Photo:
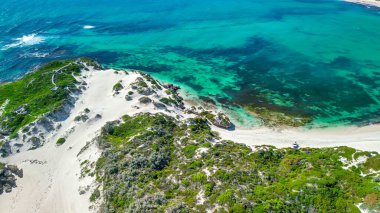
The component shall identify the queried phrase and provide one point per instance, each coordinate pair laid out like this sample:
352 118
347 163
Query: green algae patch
155 163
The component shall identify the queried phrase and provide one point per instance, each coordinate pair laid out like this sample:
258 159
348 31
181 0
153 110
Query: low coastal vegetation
61 141
39 92
155 163
117 87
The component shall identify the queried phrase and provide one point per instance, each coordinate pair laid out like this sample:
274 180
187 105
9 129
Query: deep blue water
319 58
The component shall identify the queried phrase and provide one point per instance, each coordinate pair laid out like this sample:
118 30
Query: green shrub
168 101
61 141
117 87
95 195
190 150
209 187
199 177
2 166
226 197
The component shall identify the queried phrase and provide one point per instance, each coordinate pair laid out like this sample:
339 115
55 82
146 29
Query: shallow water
319 58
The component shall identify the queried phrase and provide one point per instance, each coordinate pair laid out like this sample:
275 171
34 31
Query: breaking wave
25 40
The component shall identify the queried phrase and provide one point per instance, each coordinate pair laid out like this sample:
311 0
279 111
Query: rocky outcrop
5 149
8 179
63 112
220 119
142 87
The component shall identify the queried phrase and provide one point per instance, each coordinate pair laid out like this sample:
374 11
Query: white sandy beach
362 138
52 180
375 3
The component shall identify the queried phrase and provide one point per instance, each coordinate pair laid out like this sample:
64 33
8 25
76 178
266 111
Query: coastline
374 3
53 179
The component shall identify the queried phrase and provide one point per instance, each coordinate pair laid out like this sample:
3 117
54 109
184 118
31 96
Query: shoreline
53 179
373 3
361 138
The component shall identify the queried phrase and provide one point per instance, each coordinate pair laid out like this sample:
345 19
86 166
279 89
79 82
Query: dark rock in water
145 100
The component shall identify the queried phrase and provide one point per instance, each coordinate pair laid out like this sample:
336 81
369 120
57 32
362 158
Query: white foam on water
35 55
88 27
25 40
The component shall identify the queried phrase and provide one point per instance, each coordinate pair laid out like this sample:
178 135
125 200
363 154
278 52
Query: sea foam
25 40
88 27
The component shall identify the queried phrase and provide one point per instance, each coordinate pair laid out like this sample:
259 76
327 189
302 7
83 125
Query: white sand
375 3
364 138
52 184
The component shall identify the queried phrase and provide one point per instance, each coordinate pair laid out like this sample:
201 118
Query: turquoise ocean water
308 57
